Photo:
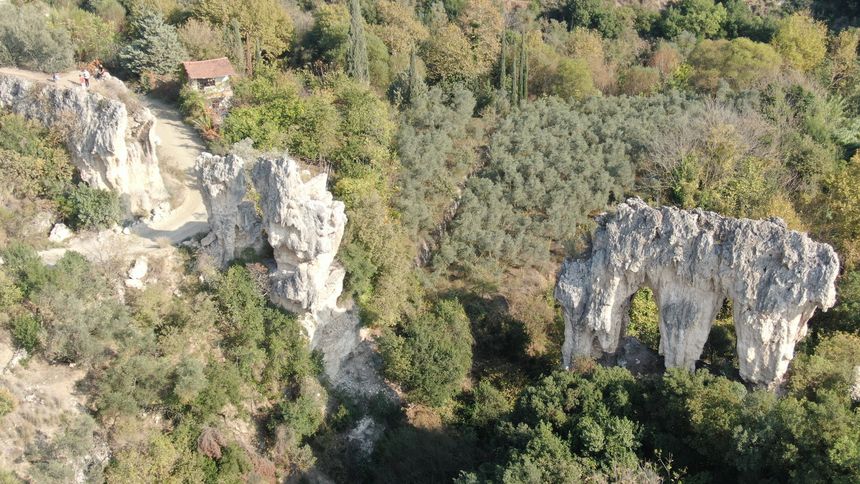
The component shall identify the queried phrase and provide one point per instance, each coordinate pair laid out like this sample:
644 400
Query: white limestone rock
110 142
59 233
233 221
139 268
137 272
305 226
693 261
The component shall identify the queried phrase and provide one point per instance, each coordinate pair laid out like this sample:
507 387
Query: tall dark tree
503 61
357 65
515 81
524 65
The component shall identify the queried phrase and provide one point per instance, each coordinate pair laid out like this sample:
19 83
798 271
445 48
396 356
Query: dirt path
177 151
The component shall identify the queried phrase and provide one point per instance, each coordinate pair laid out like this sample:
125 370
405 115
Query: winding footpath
178 149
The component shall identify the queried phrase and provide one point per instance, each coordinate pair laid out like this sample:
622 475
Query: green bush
433 354
644 322
32 159
7 402
25 332
90 208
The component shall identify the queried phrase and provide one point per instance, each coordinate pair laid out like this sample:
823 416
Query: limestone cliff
233 220
693 261
304 225
111 143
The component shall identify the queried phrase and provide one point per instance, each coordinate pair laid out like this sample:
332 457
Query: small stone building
211 77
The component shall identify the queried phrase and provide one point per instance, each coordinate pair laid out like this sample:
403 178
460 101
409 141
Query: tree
93 37
448 55
29 41
155 47
263 26
525 199
356 55
433 146
433 354
702 18
740 62
600 15
482 23
801 41
203 41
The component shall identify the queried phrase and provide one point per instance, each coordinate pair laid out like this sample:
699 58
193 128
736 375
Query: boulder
59 233
694 261
111 142
139 268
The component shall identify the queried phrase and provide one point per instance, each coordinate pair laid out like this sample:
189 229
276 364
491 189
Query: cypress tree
415 86
235 46
524 65
503 61
357 65
515 81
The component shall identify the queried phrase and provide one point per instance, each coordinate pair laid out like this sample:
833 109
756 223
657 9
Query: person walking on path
86 76
81 77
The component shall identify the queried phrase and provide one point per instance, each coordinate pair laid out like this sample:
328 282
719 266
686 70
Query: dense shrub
740 62
7 402
25 332
801 41
433 355
92 36
90 208
28 40
31 159
703 18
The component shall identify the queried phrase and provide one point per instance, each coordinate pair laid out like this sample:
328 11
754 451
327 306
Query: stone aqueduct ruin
693 261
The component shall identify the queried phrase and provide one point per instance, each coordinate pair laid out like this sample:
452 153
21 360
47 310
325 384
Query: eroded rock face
304 225
233 220
111 143
693 261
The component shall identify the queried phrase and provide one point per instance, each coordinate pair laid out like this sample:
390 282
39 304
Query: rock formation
693 261
304 225
233 220
110 142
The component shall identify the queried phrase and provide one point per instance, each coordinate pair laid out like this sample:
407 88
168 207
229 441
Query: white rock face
305 226
113 148
233 221
59 233
693 261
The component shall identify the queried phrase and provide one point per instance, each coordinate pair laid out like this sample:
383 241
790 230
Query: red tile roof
208 69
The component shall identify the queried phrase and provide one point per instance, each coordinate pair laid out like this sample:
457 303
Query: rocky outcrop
693 261
234 223
304 225
112 143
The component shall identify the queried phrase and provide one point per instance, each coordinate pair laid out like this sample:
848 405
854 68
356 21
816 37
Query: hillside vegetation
473 142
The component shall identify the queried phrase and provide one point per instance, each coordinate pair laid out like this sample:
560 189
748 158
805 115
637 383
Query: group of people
84 77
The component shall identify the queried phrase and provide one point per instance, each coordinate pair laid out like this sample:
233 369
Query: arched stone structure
693 261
